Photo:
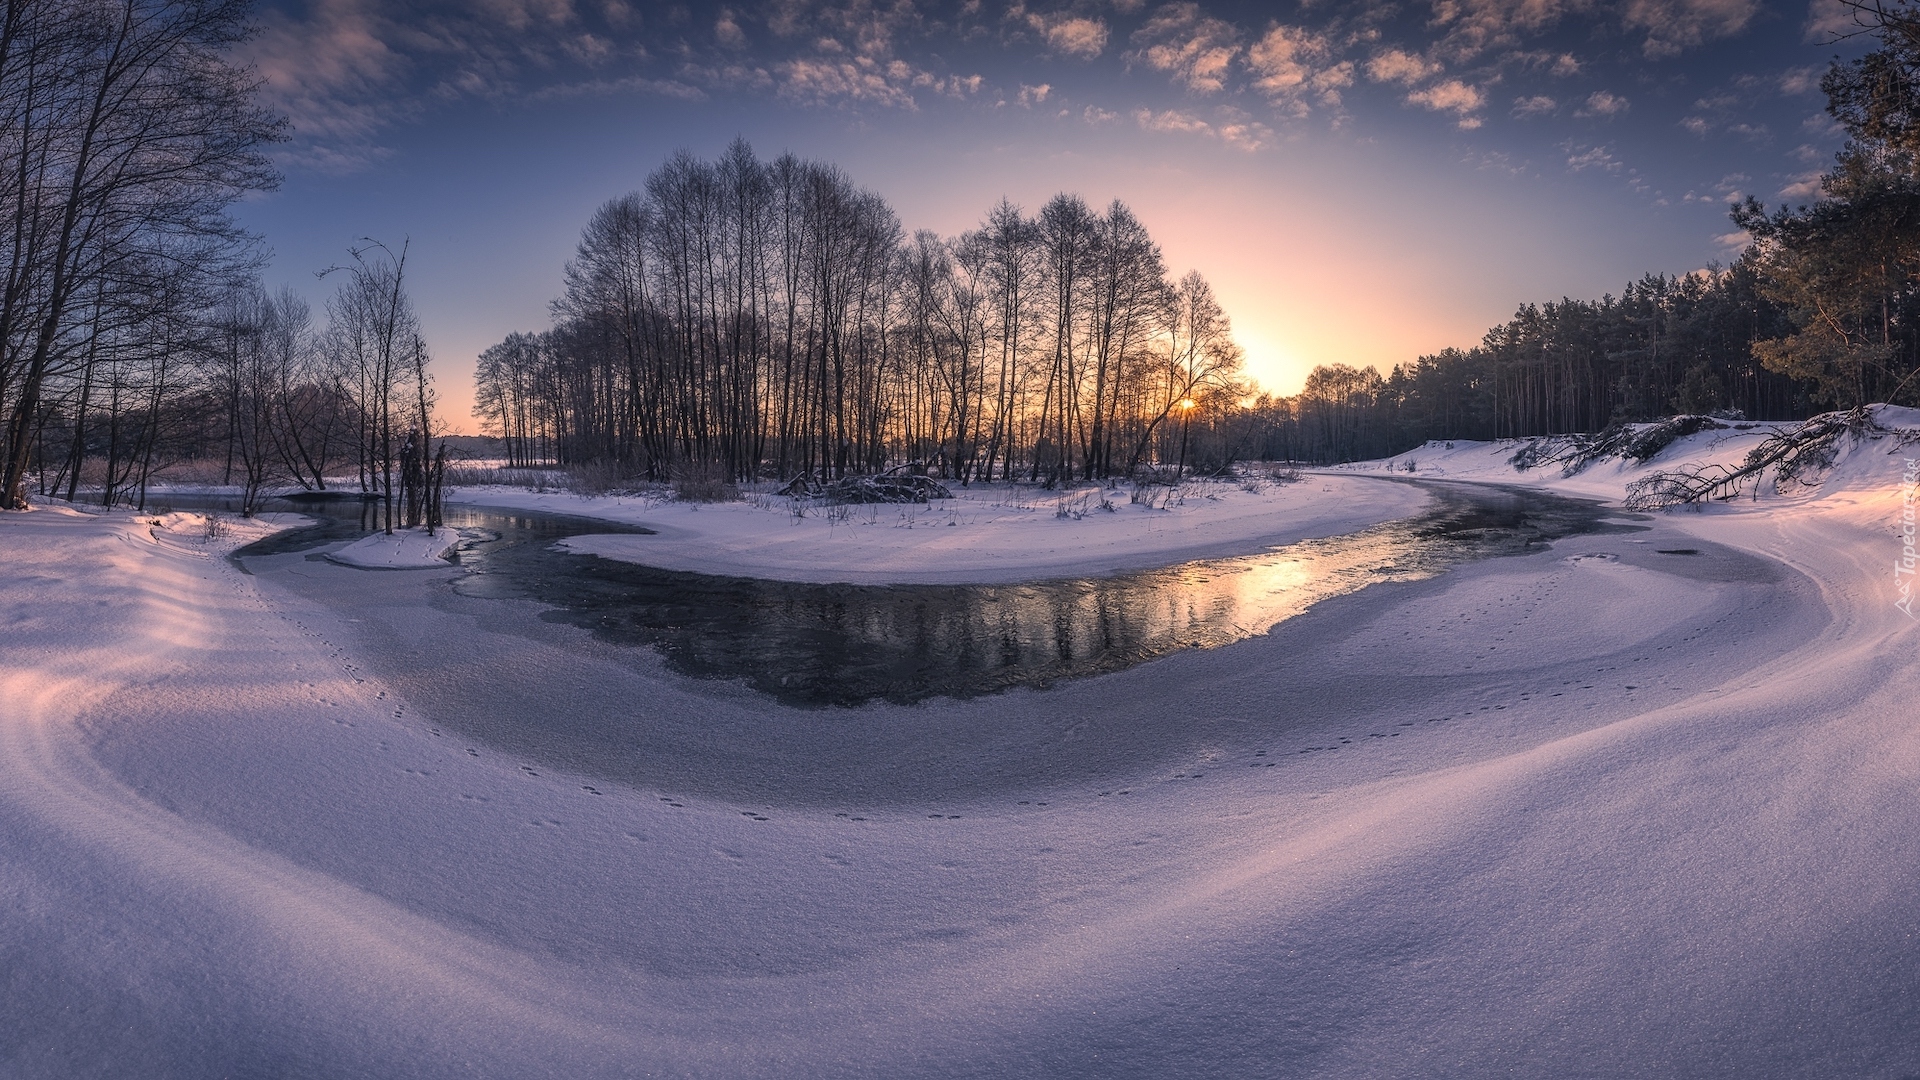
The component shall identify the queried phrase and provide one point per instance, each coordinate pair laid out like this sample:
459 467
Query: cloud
1604 104
519 16
1196 49
1394 65
1801 80
1673 26
1171 120
1822 126
1292 64
1233 127
787 18
1248 135
1499 161
1071 35
346 70
1451 96
1094 114
870 29
1239 130
1475 26
633 84
824 81
323 72
726 30
1591 157
1330 81
1827 21
1802 186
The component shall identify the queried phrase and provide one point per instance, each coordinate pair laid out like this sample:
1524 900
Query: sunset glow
1362 184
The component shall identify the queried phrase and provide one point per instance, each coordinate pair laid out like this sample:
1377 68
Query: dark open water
839 645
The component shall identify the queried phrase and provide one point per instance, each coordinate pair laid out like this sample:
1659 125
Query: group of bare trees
124 135
301 404
771 318
134 331
246 387
377 363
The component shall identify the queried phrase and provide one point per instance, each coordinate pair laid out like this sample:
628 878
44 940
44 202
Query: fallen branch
1629 442
1795 456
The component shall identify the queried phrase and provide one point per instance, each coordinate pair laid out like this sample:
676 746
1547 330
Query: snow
1488 462
1594 810
992 534
403 549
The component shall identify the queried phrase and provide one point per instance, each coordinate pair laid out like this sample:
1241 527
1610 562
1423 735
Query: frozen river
815 645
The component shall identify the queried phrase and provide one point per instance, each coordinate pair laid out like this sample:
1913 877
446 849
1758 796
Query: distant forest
1821 311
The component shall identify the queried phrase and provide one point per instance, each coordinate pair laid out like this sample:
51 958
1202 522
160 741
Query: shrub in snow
885 488
703 481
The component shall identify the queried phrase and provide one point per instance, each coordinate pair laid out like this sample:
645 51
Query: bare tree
374 335
127 133
1200 355
311 409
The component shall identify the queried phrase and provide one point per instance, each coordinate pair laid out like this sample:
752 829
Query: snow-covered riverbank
1643 802
997 533
402 549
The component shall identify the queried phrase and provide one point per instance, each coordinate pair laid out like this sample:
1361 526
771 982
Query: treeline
749 318
246 391
1822 311
1666 345
135 334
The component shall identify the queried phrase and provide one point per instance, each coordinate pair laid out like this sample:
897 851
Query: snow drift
1644 802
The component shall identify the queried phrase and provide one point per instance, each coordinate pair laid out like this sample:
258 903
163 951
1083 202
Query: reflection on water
817 645
822 645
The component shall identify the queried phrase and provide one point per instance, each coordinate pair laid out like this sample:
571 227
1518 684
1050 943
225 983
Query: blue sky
1362 182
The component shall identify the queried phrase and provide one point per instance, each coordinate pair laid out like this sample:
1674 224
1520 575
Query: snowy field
1645 803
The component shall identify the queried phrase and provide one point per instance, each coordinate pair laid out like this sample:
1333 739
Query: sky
1362 182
